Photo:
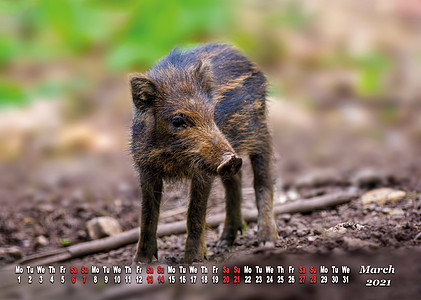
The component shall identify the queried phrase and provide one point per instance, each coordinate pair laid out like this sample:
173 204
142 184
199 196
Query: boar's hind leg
151 199
196 219
263 188
233 220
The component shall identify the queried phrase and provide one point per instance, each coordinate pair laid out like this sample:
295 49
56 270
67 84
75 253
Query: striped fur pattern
191 109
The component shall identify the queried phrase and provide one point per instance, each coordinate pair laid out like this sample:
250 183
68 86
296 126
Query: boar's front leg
196 218
267 233
233 220
151 198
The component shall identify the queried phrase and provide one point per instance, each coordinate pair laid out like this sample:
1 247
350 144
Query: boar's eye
178 121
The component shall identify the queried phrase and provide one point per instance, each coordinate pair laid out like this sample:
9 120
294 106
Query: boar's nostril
230 165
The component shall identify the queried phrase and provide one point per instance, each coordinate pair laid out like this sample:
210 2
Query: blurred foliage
131 32
67 49
65 242
126 35
291 16
372 68
11 93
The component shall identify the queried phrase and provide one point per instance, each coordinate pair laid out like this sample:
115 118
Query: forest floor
47 202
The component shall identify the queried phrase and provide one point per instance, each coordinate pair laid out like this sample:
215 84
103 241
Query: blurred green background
358 61
119 36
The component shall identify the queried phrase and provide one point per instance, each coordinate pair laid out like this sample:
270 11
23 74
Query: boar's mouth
230 165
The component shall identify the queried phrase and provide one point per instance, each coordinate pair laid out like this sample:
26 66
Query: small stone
282 198
368 177
285 217
20 235
393 211
46 207
341 229
267 244
102 227
288 230
13 251
302 232
359 226
28 220
292 195
41 241
335 230
318 229
312 238
382 195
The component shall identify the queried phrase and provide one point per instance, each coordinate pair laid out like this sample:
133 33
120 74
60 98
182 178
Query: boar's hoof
267 234
222 243
146 253
268 244
229 234
230 165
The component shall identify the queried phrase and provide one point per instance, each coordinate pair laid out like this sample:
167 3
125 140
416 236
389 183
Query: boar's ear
144 91
205 75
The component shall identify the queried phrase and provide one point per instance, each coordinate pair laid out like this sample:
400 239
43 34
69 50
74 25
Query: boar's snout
230 165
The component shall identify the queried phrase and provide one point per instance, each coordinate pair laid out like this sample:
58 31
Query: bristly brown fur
190 110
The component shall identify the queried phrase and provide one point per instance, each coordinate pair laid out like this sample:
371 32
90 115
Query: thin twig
131 236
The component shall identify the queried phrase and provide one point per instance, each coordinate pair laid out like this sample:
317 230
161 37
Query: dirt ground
55 197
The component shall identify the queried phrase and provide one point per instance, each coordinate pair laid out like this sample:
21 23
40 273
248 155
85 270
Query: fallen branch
131 236
172 212
315 203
